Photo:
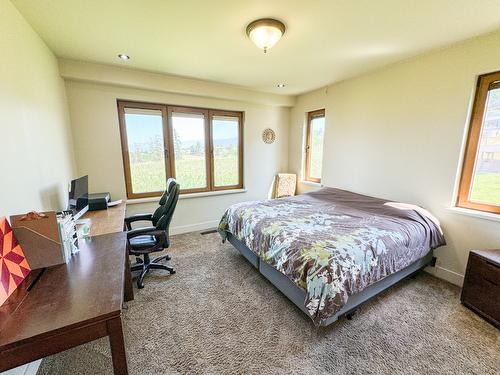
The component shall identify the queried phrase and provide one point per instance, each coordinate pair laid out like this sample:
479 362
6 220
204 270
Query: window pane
189 149
317 130
486 178
145 145
225 133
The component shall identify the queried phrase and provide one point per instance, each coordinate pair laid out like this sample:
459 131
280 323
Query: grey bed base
297 295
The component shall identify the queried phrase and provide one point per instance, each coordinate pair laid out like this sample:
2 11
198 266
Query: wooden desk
106 221
111 221
68 305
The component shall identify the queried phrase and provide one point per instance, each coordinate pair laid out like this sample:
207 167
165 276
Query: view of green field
486 176
318 131
486 188
146 151
150 175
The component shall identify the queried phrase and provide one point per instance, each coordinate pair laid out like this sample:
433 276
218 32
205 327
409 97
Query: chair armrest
138 217
146 231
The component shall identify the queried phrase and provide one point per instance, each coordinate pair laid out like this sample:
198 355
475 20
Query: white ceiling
325 41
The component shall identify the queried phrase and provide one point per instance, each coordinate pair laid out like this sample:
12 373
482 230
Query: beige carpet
217 315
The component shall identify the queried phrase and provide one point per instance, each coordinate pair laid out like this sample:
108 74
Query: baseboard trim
28 369
446 274
194 227
32 368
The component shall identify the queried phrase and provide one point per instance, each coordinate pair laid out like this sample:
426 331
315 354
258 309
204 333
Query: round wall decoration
268 136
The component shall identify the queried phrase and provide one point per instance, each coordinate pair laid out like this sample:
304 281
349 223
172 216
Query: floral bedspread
331 242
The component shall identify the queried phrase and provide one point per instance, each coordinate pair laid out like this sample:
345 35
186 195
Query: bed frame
298 295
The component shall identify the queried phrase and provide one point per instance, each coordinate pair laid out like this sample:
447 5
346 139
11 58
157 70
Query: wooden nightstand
481 290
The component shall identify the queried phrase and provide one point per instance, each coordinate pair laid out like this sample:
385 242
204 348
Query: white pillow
423 211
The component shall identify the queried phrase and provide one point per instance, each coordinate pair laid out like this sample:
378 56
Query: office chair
144 241
155 216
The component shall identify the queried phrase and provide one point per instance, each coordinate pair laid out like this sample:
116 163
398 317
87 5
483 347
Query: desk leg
128 289
117 344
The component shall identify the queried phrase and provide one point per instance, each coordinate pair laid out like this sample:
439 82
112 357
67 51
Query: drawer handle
492 264
488 280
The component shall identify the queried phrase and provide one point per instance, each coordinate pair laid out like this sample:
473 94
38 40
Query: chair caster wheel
172 272
140 286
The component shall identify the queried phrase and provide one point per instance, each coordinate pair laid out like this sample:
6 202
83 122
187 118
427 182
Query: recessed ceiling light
124 57
281 85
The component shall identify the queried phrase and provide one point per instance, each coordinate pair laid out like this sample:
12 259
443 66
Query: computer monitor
78 202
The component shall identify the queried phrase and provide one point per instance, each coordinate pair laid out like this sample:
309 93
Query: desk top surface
106 221
87 289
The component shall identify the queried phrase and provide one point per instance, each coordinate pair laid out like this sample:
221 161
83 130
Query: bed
331 250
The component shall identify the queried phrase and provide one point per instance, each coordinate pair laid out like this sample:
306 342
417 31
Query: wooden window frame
122 104
239 115
473 138
307 167
188 110
168 141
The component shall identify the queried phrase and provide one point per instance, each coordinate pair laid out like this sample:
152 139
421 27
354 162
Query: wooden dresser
481 290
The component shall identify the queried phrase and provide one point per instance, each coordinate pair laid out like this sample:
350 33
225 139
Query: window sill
475 213
188 196
312 184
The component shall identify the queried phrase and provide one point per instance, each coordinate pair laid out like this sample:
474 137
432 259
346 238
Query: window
314 145
480 181
201 148
227 146
190 144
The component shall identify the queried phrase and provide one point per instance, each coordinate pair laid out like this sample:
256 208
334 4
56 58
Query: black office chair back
166 218
170 184
161 210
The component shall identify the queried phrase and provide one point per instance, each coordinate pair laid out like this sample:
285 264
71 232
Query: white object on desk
114 203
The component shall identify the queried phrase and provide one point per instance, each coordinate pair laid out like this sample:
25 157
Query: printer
99 201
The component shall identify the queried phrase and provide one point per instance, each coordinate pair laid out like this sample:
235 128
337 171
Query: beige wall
149 81
397 133
98 150
36 160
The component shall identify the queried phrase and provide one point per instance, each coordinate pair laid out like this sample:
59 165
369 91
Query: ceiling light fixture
281 85
265 32
124 57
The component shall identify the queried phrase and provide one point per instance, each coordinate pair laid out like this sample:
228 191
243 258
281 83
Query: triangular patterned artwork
13 265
